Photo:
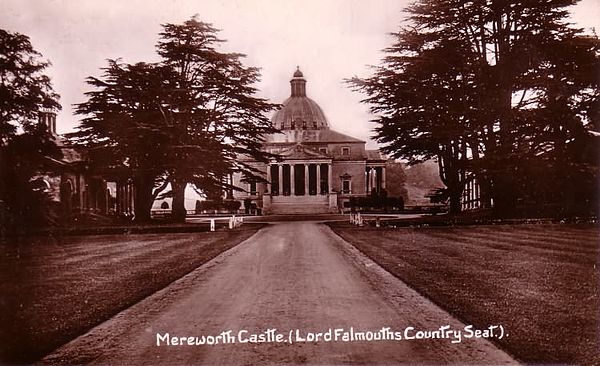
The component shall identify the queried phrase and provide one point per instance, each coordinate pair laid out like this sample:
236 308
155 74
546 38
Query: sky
329 39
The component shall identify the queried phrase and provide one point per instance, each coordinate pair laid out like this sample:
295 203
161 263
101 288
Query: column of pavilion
375 179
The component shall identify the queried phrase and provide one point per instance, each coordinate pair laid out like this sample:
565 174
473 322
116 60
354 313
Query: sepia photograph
299 182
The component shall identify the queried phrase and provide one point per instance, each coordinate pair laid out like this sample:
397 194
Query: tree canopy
487 88
24 88
25 91
185 119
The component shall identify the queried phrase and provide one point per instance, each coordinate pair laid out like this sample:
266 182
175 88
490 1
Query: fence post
212 224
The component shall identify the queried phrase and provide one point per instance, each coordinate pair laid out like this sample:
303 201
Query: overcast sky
329 39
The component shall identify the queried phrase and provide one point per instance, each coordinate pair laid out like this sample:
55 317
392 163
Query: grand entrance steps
299 204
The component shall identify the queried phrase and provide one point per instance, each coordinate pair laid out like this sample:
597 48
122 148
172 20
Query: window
346 186
275 184
323 150
345 150
252 187
346 180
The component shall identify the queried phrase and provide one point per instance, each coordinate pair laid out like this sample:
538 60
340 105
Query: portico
299 178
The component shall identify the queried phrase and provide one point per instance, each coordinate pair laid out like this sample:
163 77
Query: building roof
320 136
374 155
300 119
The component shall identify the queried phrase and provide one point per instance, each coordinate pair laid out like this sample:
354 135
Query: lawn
54 289
541 282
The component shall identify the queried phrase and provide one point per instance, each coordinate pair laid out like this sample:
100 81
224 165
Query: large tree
124 129
25 91
24 87
215 115
422 96
475 85
185 119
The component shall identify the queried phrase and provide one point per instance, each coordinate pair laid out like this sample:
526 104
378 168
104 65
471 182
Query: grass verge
541 282
53 289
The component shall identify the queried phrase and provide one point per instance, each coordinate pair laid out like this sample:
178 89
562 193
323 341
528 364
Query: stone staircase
283 205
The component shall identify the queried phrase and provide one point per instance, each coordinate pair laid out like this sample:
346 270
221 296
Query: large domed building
320 169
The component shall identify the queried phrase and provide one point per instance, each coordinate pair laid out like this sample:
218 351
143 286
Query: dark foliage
486 88
230 206
376 202
25 145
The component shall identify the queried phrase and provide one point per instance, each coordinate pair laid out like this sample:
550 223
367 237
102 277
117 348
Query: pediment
300 151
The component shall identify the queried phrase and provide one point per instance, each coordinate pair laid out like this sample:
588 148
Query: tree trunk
450 176
143 198
178 211
455 206
504 190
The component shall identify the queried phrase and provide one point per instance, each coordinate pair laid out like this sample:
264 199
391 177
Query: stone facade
75 188
319 169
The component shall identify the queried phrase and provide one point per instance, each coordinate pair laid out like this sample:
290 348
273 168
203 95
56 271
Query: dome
298 111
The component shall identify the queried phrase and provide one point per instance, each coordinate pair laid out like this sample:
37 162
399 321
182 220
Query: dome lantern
298 84
298 111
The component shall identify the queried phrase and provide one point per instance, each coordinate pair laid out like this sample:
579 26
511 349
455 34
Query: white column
119 198
106 197
318 179
329 178
130 203
368 180
132 198
292 183
269 183
306 184
383 177
280 174
373 179
127 199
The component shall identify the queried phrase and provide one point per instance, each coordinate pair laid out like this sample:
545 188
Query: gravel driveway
298 279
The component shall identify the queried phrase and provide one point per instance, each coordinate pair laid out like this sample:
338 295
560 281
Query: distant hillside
421 179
